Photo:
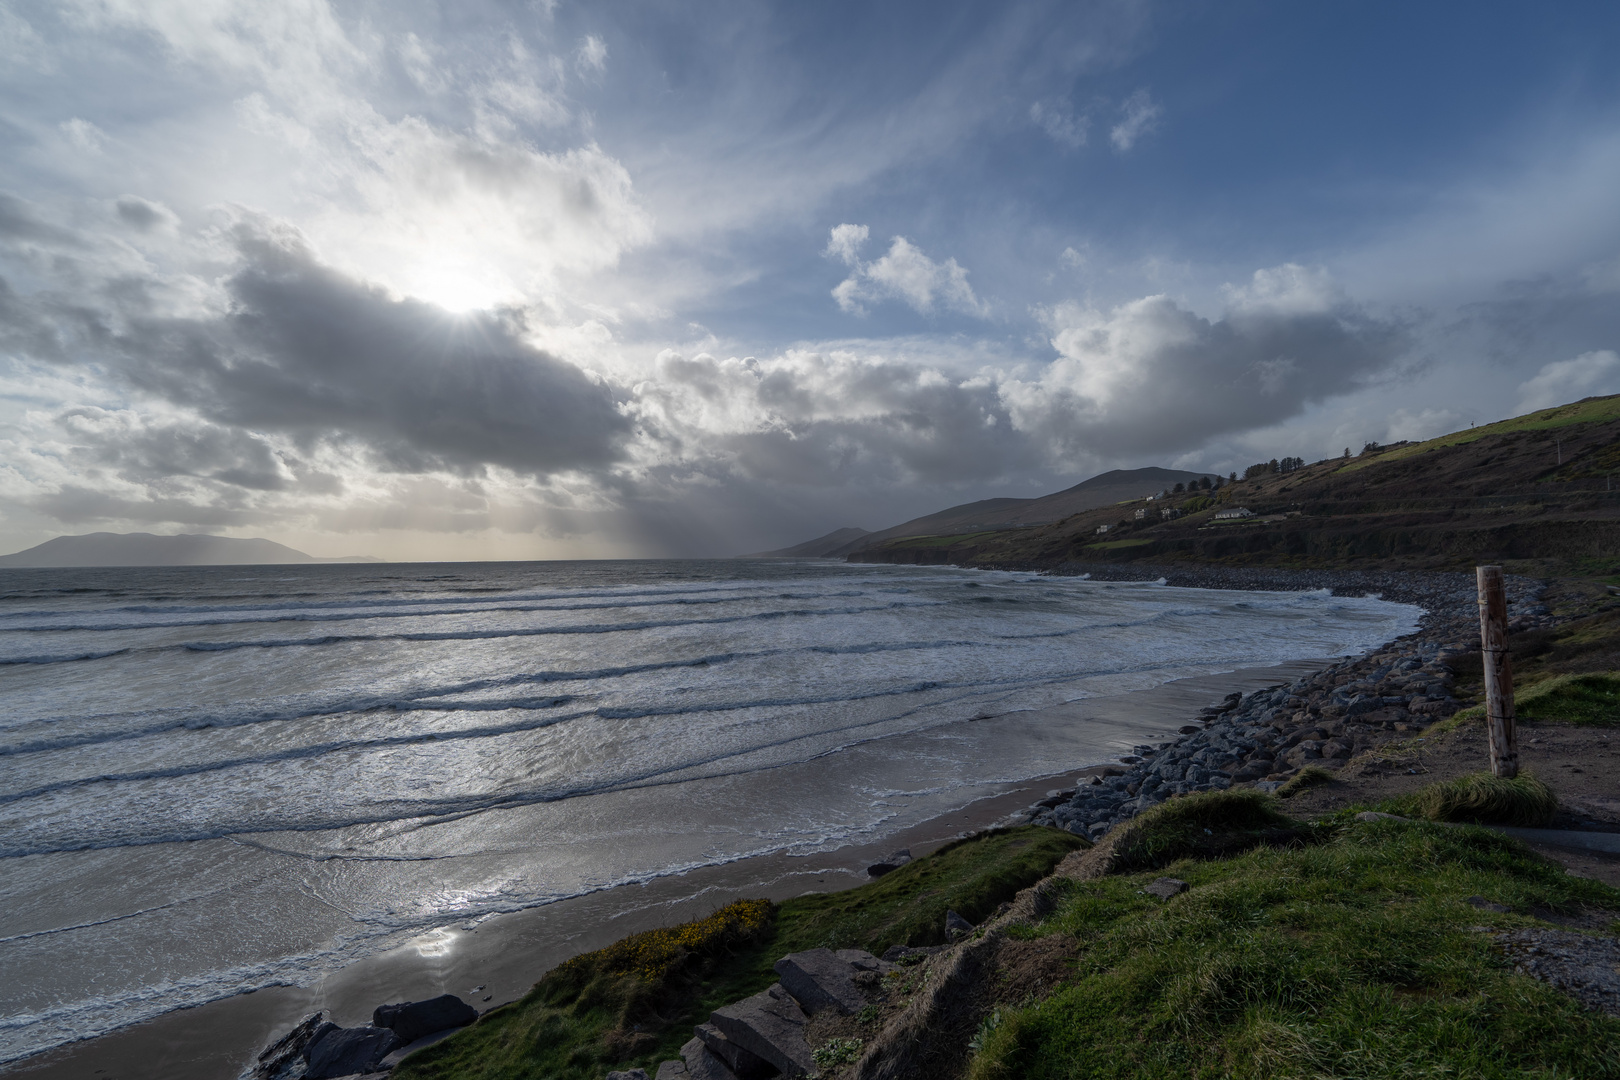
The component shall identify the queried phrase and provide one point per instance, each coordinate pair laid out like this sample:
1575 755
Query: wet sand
506 954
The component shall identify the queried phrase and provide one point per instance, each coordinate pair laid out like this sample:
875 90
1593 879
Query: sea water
218 779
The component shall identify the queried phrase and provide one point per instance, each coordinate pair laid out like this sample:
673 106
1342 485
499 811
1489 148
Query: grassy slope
1353 957
576 1027
1496 493
1592 410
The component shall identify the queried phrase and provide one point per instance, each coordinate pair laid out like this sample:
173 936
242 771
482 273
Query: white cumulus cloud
904 273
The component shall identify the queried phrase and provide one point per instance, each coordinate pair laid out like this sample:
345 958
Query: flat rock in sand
769 1025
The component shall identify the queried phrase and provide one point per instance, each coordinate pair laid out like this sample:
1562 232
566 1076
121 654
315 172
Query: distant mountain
819 548
1101 490
145 549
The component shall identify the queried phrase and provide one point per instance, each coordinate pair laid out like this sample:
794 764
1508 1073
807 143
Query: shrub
1486 799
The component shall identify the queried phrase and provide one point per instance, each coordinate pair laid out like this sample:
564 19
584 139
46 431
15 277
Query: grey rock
745 1065
900 858
702 1064
672 1070
343 1051
1487 905
769 1025
818 979
628 1074
1166 887
411 1020
1587 968
278 1057
956 927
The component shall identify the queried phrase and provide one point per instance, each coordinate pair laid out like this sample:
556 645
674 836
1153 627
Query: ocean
218 779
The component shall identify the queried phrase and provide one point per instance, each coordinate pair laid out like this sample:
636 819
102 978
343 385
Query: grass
1115 545
1591 700
635 1002
1585 700
940 541
1208 824
1483 799
1308 777
1357 956
1590 411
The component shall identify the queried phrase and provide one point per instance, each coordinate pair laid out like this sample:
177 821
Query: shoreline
505 954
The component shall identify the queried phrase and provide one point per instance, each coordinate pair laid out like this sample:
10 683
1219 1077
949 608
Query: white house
1234 513
1103 528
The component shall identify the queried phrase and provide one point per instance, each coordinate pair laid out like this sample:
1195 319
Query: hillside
1535 492
1105 489
819 548
145 549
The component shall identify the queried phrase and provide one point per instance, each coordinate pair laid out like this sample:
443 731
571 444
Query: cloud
1138 116
845 243
300 348
1563 381
143 215
1152 376
592 54
904 274
1060 125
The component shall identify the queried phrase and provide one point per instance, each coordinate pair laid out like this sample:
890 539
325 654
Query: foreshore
498 959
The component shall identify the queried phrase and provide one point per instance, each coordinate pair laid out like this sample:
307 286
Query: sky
540 280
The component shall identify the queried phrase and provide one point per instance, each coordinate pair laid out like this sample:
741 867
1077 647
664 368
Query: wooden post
1498 671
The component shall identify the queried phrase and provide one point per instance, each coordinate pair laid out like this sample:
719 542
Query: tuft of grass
1308 777
635 1002
1206 824
1483 799
1355 957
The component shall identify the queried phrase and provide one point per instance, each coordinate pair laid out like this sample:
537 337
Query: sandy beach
499 958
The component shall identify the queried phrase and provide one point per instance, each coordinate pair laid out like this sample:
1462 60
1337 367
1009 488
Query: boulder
819 979
739 1061
701 1063
628 1074
769 1025
1166 887
672 1070
345 1051
411 1020
956 927
279 1055
890 862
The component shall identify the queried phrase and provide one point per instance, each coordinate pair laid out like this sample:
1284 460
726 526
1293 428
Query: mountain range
145 549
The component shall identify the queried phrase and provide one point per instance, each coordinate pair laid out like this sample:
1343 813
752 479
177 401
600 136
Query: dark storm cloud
143 452
306 350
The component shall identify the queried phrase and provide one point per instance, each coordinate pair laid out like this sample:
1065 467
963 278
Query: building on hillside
1103 528
1234 513
1169 513
1141 514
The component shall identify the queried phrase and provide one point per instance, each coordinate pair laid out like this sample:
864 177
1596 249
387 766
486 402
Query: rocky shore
1323 720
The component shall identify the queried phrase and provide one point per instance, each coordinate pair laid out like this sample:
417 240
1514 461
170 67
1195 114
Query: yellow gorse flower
651 955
